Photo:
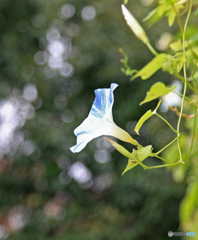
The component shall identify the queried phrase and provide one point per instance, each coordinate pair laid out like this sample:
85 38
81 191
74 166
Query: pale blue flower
100 121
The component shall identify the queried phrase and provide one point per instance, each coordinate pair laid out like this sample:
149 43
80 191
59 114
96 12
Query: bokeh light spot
4 232
64 162
30 92
23 25
53 34
80 173
102 156
27 71
27 148
38 20
76 86
163 43
40 58
64 178
88 13
60 101
171 99
163 136
49 73
67 116
66 11
66 70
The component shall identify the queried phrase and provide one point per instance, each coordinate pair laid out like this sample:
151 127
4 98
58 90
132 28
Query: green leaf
161 10
154 65
138 155
146 116
157 90
189 203
170 9
170 64
172 13
151 19
151 14
176 46
174 63
182 58
171 17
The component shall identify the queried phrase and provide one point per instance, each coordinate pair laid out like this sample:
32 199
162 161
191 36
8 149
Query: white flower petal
100 121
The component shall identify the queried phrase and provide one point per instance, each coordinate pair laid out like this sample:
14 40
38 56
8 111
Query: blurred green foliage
41 197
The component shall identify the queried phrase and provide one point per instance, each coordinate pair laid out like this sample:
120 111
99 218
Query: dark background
53 54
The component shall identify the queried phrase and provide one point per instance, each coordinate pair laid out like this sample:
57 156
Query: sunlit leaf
181 59
167 7
171 17
175 63
189 202
176 46
181 2
146 116
141 154
150 15
157 90
151 67
161 10
151 18
169 64
172 13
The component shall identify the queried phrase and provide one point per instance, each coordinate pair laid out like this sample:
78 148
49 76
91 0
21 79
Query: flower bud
134 25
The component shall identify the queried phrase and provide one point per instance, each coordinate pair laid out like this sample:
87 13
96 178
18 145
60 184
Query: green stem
159 166
138 161
179 76
191 87
166 122
166 146
186 98
185 82
139 145
193 134
193 72
178 19
151 49
155 155
164 165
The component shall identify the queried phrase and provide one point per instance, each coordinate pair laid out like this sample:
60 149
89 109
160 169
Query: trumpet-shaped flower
100 121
